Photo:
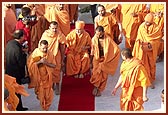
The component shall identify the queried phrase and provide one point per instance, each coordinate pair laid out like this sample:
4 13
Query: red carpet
76 95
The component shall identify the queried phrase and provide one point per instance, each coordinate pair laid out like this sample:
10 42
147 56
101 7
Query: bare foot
54 86
152 86
81 76
57 89
98 93
76 76
94 92
57 92
160 58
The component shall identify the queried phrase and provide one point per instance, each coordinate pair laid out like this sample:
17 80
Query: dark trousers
93 11
19 106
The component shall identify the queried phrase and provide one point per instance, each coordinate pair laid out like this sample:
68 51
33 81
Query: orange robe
155 8
78 60
108 66
109 23
62 17
54 40
41 77
13 88
73 12
115 7
40 9
152 35
41 25
131 24
9 24
109 7
158 8
134 77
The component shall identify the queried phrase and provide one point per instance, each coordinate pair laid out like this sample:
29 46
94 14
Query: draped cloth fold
41 77
78 60
54 40
13 88
134 77
108 66
152 35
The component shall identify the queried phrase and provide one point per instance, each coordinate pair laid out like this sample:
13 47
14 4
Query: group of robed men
102 52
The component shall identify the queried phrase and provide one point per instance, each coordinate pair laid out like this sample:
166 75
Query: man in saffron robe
9 23
147 44
41 25
14 88
115 9
105 55
131 17
58 13
133 81
158 10
41 64
56 43
73 12
78 45
111 25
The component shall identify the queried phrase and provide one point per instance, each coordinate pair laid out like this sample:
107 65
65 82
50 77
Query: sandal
98 93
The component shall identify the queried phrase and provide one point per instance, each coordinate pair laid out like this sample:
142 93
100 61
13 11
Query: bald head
149 18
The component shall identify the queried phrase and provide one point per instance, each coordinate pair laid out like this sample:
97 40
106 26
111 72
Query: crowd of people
39 45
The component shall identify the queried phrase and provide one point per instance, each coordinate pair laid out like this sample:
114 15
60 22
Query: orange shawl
127 19
155 8
131 23
53 45
152 35
13 87
9 24
41 25
107 21
134 76
76 57
73 12
62 17
111 54
41 77
108 66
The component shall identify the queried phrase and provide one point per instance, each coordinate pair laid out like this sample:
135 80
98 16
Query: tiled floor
107 102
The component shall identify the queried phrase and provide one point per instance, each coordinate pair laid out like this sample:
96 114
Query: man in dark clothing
16 61
93 11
